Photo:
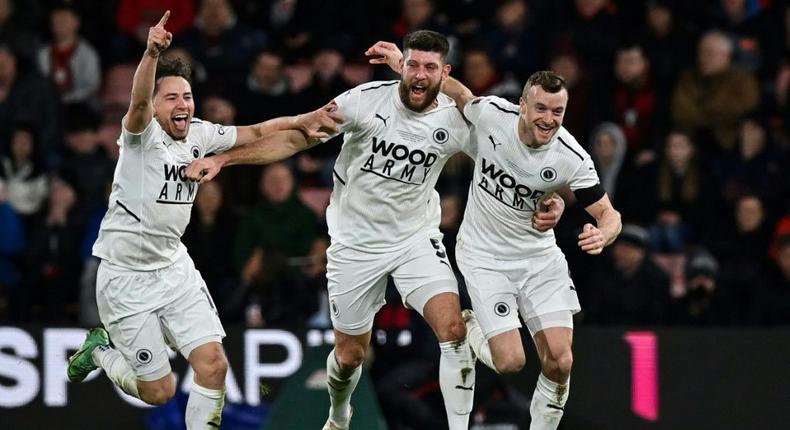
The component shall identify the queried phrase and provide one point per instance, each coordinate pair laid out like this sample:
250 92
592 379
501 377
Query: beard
431 92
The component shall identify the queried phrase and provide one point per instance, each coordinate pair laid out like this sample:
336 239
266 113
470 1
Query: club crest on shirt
143 356
195 151
440 136
502 309
548 174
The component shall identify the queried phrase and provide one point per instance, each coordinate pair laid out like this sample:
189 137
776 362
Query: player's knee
350 357
212 365
453 331
158 394
558 366
510 362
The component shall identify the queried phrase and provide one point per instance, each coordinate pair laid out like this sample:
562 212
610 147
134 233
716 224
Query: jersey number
438 247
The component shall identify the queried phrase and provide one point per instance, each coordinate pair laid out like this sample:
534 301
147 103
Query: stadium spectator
86 160
69 60
26 97
267 92
631 289
270 235
513 33
741 247
636 105
222 44
773 306
608 149
15 32
209 238
52 261
703 302
24 176
134 17
703 98
665 38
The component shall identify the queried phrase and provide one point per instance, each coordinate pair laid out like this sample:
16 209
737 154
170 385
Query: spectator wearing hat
704 302
630 288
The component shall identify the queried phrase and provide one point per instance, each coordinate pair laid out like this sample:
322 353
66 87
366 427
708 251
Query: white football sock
457 382
340 390
204 408
116 368
480 345
548 403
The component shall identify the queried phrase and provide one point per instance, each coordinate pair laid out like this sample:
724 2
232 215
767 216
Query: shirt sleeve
138 139
585 176
348 108
217 137
474 108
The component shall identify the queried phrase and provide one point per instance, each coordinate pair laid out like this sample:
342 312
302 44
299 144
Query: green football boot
81 363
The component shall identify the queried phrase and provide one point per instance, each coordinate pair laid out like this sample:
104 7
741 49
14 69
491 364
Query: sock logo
144 356
502 309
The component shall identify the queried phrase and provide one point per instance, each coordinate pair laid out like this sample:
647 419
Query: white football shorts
357 280
145 311
536 287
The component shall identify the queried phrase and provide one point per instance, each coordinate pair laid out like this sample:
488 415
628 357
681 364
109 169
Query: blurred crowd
683 106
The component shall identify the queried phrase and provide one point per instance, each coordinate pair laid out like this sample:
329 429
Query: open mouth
418 91
180 122
544 130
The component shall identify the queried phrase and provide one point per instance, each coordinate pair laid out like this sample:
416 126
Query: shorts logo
144 356
195 152
548 174
440 135
333 305
221 130
502 309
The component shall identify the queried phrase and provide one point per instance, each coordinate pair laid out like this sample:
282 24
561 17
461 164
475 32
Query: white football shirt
510 178
151 199
384 177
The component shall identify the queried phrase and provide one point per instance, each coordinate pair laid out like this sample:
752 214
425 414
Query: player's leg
427 284
191 324
356 282
139 364
207 395
548 303
343 369
492 328
556 358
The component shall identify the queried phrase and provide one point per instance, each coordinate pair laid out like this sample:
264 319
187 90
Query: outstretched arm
388 53
594 238
318 124
272 147
141 110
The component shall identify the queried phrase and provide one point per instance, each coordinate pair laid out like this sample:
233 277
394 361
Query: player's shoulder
375 88
495 104
568 145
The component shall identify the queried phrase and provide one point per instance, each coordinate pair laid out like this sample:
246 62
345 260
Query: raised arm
141 109
388 53
594 238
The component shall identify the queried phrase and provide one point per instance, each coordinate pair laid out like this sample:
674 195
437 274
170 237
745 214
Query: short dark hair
427 40
171 67
548 80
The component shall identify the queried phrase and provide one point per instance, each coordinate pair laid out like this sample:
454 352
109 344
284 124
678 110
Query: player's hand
549 211
591 240
320 123
386 53
159 39
203 170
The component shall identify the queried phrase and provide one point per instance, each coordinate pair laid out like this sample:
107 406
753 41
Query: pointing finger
164 19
